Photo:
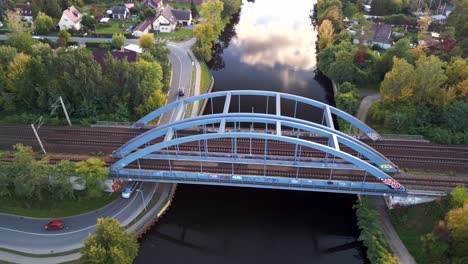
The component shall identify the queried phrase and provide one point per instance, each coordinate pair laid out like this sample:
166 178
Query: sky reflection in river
272 39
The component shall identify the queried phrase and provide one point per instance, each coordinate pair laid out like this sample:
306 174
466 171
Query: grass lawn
204 82
178 33
205 78
415 221
49 208
114 28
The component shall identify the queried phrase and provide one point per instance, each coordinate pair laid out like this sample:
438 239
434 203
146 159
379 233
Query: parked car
54 225
1 24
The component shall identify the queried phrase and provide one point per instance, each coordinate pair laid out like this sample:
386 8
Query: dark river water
269 46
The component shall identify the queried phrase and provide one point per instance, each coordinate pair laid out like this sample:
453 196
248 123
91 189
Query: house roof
181 14
134 48
100 56
167 14
145 24
152 2
73 14
24 9
118 10
129 5
382 33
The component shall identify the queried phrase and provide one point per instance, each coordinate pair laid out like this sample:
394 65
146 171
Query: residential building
183 17
155 4
71 18
144 27
381 35
165 21
120 12
25 11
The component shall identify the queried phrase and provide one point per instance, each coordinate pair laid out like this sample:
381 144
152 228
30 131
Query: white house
71 18
165 21
155 4
144 27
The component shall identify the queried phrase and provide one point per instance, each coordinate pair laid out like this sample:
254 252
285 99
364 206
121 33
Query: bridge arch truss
190 141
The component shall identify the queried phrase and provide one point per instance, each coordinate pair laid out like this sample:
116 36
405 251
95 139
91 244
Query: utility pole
39 124
56 104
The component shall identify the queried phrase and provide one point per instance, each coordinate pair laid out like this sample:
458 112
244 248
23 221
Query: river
269 46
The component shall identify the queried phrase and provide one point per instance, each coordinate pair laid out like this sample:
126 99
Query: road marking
71 232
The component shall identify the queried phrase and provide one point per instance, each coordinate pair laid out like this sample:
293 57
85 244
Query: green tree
457 224
94 172
347 102
193 9
43 23
434 249
230 7
88 22
429 76
325 34
20 36
399 83
110 244
118 40
458 197
52 8
205 35
19 81
146 41
457 19
211 11
78 79
6 5
63 38
30 176
5 179
59 181
146 79
457 70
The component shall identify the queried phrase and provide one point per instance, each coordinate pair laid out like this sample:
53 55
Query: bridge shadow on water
208 224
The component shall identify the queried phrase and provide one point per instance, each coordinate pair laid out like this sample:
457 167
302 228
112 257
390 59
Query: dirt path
365 105
396 245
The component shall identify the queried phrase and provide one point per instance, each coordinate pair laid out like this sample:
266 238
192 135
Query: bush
99 45
400 19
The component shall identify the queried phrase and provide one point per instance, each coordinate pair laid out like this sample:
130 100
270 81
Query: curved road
28 235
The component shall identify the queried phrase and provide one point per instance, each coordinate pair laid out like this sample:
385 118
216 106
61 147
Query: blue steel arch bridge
253 149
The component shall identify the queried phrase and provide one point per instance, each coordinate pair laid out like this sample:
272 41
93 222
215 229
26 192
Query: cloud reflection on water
288 42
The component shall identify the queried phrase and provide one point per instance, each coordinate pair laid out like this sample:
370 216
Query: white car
1 24
131 186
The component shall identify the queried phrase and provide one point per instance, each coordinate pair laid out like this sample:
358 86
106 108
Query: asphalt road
28 234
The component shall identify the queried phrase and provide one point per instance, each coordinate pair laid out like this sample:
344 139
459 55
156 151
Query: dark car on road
54 225
181 91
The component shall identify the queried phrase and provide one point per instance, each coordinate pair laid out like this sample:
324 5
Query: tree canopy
110 244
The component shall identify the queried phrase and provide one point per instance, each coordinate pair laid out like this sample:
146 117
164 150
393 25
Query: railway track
92 140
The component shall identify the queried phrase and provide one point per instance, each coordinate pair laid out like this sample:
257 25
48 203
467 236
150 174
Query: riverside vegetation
424 91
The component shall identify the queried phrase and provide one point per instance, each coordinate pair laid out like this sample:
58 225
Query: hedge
99 45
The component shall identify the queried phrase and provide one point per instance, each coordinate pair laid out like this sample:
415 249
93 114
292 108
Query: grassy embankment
53 208
412 222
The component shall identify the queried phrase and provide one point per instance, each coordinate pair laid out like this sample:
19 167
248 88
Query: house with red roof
71 18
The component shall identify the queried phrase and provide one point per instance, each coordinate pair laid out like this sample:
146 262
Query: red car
54 225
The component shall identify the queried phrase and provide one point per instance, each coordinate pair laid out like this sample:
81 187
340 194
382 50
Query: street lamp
142 198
